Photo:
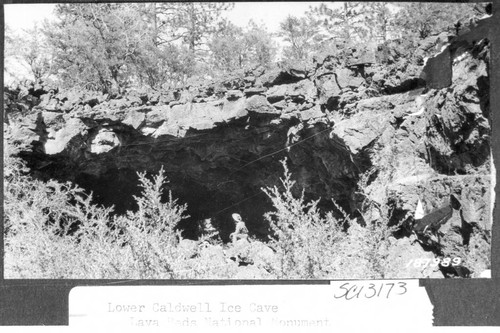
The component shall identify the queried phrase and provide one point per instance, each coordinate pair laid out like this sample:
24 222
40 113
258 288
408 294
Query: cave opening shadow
117 188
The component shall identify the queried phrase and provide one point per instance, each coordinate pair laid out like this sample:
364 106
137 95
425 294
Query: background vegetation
111 46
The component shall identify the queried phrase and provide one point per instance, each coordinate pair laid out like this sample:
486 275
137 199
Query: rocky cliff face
376 135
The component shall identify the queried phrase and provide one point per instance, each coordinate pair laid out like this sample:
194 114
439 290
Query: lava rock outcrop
375 135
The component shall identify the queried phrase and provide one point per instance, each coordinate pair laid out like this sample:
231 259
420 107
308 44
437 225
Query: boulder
232 95
328 89
277 93
167 129
362 129
457 121
259 104
103 141
167 97
407 260
303 90
199 116
362 56
286 74
59 142
234 109
255 91
52 119
346 78
437 72
53 105
135 119
314 112
156 115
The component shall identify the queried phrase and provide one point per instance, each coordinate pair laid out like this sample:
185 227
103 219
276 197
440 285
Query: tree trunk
155 23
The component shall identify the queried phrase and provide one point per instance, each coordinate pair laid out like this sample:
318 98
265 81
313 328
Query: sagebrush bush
53 230
149 232
310 244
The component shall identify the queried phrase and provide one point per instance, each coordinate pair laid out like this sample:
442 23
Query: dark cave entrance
215 174
117 187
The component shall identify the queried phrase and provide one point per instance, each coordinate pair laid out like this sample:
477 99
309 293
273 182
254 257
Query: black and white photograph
247 141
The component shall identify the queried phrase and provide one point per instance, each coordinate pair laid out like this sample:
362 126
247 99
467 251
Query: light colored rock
259 104
314 112
255 91
346 78
360 130
135 119
304 88
234 109
73 128
167 129
204 115
277 93
232 95
52 118
157 115
199 116
104 141
328 88
148 130
407 260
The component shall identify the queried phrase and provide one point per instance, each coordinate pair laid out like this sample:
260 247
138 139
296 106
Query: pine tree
302 34
421 20
95 44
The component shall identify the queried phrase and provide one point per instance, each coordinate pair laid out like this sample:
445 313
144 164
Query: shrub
39 219
53 230
149 232
301 235
309 244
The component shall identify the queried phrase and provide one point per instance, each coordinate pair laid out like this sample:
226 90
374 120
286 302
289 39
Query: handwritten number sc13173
350 290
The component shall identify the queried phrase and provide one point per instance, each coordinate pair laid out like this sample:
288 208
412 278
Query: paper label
317 308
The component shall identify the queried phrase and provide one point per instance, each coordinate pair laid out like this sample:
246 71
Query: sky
270 13
23 16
